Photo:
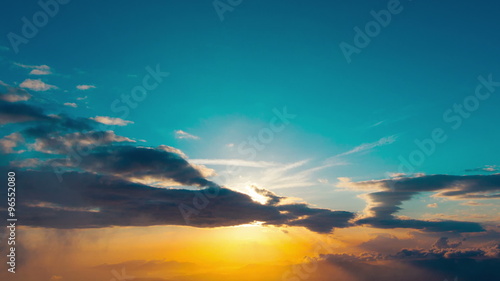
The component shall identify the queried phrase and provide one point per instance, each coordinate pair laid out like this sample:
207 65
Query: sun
254 195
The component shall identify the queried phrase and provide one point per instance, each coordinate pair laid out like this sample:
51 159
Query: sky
251 140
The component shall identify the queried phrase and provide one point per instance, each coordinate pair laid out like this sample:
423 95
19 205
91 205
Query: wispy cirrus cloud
365 147
37 85
235 162
111 120
180 134
486 168
71 104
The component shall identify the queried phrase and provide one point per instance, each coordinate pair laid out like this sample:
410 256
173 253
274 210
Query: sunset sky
251 140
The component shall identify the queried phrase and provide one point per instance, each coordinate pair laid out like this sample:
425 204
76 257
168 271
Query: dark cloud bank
93 179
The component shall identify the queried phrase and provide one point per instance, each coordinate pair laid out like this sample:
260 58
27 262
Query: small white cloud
433 205
180 134
82 98
111 120
71 104
40 72
85 87
323 181
36 85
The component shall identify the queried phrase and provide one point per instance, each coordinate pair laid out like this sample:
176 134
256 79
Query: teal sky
226 77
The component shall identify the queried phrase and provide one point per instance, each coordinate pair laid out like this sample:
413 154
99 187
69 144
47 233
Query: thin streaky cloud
365 147
111 120
180 134
85 87
283 178
235 162
36 69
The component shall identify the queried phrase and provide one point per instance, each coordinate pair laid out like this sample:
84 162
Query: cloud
111 120
55 134
270 198
180 134
384 243
173 150
409 265
143 163
9 142
36 69
85 87
104 185
107 181
90 200
474 203
448 186
82 98
20 112
70 104
433 205
323 181
318 220
487 168
36 85
367 146
287 175
443 243
13 94
382 205
40 72
55 143
235 162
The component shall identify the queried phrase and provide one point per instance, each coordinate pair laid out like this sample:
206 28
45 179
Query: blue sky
226 77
